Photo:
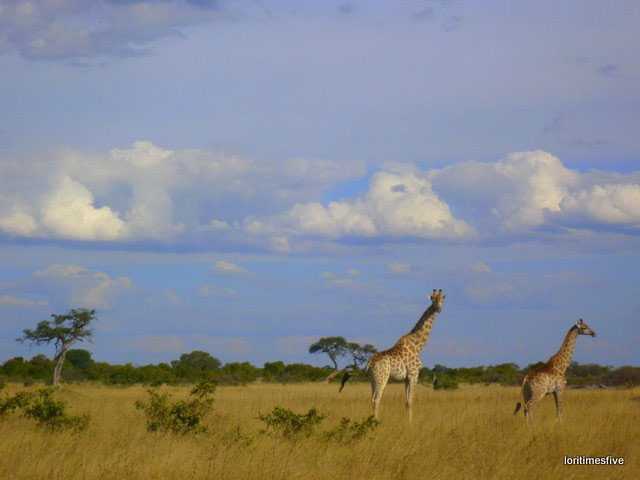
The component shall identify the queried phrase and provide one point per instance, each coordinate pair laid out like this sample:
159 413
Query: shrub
183 416
44 409
290 425
445 382
204 390
10 404
50 413
349 431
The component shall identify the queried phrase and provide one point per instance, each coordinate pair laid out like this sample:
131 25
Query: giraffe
402 361
550 378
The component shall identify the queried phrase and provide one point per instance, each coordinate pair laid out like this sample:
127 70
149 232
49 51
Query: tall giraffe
402 361
550 378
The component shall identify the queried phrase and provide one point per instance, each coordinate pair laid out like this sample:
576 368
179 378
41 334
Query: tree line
197 366
75 365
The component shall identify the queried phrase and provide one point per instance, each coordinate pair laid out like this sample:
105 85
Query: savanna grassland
469 433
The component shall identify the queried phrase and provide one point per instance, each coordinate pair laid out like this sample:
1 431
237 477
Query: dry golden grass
465 434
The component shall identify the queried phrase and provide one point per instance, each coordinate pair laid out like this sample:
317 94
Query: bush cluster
349 430
42 407
182 416
282 422
288 424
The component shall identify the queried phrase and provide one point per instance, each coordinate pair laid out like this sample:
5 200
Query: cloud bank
148 195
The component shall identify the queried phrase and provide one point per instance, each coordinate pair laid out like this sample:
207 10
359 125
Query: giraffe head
437 299
584 329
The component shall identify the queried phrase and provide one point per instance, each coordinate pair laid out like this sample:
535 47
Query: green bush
44 409
50 413
11 404
290 425
183 416
349 431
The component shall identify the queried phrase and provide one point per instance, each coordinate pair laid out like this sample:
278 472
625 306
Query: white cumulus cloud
611 204
69 212
396 205
528 190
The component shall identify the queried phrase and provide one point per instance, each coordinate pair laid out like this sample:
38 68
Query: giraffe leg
526 401
378 385
409 384
528 411
557 396
537 394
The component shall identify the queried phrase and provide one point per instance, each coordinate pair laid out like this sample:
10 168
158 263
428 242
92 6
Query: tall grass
465 434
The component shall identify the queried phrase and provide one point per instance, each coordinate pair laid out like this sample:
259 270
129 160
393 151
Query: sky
245 177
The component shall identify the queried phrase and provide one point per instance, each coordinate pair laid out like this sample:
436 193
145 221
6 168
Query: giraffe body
551 377
402 361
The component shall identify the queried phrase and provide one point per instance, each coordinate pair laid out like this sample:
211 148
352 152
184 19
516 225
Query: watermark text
587 460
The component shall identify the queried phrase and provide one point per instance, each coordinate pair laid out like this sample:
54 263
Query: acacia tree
360 354
63 331
334 347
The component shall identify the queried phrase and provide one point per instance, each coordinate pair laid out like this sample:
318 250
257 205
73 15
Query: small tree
64 331
334 347
196 365
80 359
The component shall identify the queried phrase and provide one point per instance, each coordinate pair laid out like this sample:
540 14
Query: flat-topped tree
334 347
63 331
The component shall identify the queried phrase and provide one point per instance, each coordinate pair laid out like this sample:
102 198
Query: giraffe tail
518 405
345 379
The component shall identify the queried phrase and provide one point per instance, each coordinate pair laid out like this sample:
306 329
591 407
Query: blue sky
245 177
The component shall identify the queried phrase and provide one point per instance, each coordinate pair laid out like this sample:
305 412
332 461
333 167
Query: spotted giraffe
550 378
402 361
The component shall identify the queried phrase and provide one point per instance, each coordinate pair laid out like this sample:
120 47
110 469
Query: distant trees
198 366
79 366
293 372
626 376
63 331
38 368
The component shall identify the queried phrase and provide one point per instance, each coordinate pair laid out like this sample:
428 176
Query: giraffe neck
561 360
420 333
